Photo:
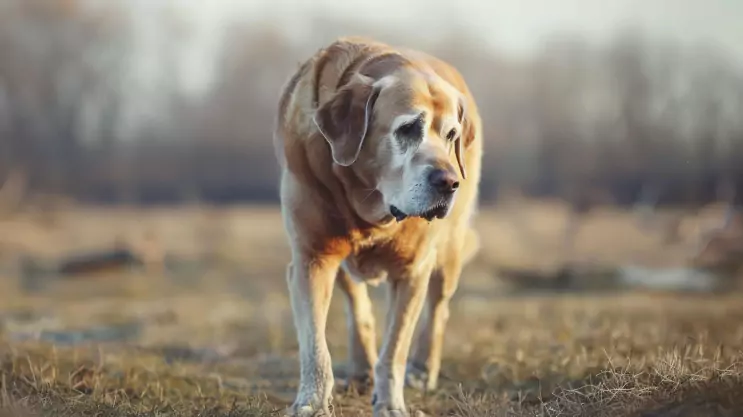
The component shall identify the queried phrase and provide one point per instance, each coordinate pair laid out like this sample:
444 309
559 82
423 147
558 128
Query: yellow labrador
380 150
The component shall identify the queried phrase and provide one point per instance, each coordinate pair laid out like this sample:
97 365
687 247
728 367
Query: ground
210 332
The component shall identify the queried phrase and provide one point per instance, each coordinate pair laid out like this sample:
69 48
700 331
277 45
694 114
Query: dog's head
403 133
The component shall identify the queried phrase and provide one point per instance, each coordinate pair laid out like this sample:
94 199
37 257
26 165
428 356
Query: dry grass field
205 327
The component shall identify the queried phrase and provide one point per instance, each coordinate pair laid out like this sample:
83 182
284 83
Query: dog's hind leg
362 348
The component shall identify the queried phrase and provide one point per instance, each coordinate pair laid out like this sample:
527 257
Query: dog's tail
471 246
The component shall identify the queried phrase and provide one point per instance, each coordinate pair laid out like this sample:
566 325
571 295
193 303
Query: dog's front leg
310 281
362 343
407 295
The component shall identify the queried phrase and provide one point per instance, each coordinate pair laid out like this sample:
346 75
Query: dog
380 154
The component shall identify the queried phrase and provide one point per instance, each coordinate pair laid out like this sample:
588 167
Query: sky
513 26
516 25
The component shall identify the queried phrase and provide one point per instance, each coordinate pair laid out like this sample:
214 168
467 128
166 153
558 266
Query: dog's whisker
368 195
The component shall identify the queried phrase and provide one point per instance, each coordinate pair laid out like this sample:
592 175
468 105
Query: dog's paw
416 378
308 411
383 411
354 384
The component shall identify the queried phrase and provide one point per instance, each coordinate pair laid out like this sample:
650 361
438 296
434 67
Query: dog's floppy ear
466 138
345 119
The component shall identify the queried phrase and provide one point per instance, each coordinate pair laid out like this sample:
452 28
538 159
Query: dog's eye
412 130
452 134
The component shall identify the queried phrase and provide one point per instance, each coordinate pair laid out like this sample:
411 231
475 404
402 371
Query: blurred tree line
625 116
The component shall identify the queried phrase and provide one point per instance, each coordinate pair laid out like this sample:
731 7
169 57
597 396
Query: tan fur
338 178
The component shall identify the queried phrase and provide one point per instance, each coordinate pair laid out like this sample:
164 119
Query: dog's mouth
399 215
438 211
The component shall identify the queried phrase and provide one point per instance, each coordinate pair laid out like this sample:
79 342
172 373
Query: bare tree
55 57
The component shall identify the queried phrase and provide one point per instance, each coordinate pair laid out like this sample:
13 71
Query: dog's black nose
443 181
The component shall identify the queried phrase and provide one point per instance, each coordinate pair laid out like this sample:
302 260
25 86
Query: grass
212 334
75 382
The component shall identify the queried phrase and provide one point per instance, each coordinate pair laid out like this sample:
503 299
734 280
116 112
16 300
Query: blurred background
166 102
145 103
139 187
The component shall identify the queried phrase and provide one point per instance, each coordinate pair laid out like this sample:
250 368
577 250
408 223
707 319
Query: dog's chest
368 263
373 259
